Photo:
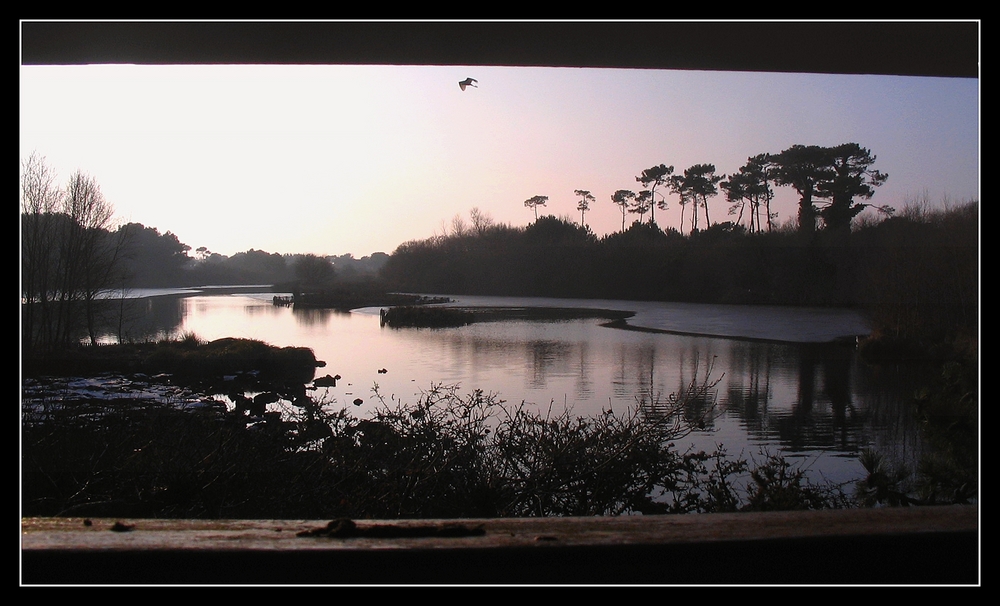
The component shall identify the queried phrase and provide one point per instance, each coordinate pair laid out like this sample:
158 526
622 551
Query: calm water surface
778 385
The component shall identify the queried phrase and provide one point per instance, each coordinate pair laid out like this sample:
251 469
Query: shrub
447 455
421 316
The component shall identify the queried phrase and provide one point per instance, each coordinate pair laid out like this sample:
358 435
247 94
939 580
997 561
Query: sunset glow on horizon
360 159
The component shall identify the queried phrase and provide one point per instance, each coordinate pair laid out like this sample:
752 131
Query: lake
783 380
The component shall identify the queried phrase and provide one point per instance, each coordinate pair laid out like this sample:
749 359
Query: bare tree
92 257
458 226
39 200
69 255
481 221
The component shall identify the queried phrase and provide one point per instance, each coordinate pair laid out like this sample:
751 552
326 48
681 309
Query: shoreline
618 312
621 324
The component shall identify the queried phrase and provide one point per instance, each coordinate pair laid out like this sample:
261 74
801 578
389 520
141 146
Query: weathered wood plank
897 545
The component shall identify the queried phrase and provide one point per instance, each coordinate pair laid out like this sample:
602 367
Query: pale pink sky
359 159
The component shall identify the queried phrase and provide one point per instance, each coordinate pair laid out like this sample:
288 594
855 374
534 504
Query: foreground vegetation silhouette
445 455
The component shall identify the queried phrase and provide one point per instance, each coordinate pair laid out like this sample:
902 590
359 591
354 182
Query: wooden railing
917 545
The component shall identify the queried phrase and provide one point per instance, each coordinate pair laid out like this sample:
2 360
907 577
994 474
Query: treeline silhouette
155 260
917 273
833 256
74 260
73 275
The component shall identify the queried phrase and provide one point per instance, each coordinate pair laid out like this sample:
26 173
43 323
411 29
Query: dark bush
445 456
417 316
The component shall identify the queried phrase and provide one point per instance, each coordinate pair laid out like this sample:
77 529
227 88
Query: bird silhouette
468 82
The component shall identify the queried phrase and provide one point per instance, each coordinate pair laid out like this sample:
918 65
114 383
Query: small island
421 316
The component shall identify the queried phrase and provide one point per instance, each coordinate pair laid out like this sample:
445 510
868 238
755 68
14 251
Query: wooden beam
935 545
919 48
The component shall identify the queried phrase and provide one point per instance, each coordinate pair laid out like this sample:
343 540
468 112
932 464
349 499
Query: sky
342 159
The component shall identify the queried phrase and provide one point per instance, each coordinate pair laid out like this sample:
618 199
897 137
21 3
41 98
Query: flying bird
467 82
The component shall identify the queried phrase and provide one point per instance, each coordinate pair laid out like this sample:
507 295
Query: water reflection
813 401
315 318
150 318
748 390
